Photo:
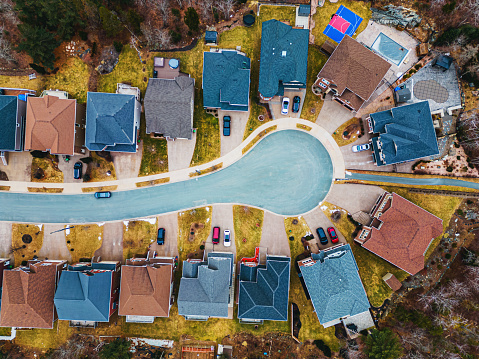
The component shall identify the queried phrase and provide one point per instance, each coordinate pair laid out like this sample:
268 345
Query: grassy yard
44 190
154 158
185 220
137 236
248 226
258 137
207 170
24 251
312 104
303 127
51 173
323 16
99 189
153 182
84 240
45 338
97 171
338 134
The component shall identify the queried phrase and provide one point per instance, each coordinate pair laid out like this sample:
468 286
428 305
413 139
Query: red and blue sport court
343 22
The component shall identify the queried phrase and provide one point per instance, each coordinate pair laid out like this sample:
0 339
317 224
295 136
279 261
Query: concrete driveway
180 153
112 246
277 101
127 165
170 223
19 166
67 167
333 115
222 217
54 244
274 236
316 218
239 120
354 197
6 239
358 160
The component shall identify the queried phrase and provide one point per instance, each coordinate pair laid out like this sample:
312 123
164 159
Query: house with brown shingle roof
400 232
351 74
27 294
146 288
50 125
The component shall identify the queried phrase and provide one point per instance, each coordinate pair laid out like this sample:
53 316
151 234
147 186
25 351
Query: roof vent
174 63
283 53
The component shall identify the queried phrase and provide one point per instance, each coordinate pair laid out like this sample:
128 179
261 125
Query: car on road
296 102
360 148
216 235
160 238
226 126
322 235
77 170
227 238
333 235
106 194
285 106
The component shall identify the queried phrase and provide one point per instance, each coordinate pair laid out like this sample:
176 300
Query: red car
333 235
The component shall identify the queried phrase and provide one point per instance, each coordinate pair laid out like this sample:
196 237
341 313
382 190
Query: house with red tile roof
28 292
400 232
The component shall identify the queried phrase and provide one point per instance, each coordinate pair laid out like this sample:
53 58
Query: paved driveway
170 223
354 197
127 165
67 168
19 166
112 246
5 239
274 236
238 124
333 115
222 217
315 219
180 153
54 244
277 101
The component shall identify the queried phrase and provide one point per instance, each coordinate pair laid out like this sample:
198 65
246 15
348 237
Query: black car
77 170
160 238
296 102
322 235
106 194
226 126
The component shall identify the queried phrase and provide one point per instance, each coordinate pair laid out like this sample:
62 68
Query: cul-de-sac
239 179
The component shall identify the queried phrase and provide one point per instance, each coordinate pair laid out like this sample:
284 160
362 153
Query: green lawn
323 16
154 158
312 103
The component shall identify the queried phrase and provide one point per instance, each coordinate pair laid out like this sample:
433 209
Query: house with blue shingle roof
337 293
264 290
12 121
284 59
112 122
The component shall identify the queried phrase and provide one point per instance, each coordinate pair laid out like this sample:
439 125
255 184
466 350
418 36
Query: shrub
458 157
176 12
118 46
202 247
417 66
86 160
457 145
460 212
83 35
192 20
449 8
383 344
110 22
117 349
469 201
449 169
448 256
439 266
323 347
93 48
39 69
175 36
135 20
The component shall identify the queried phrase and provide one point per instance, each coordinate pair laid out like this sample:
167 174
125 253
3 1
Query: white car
360 148
285 106
227 238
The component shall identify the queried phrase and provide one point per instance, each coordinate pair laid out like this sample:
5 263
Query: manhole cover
26 238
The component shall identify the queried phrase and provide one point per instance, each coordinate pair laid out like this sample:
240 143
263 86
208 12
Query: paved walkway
112 246
180 153
274 236
184 174
54 244
5 239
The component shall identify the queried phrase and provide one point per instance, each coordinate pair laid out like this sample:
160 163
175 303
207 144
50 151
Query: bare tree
7 13
156 38
207 9
458 289
473 278
6 52
441 298
471 8
225 6
163 6
180 2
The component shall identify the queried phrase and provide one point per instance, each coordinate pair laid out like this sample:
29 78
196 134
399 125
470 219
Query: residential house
226 80
351 74
400 232
112 122
169 107
28 292
88 293
146 290
406 133
264 290
337 293
284 59
206 287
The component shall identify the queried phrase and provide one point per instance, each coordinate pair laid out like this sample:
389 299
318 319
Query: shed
392 282
327 48
422 49
211 38
304 10
402 95
443 61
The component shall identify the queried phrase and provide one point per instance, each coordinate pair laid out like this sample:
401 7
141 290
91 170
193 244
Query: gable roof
8 122
204 286
110 122
284 57
50 125
211 36
404 235
226 80
145 290
334 285
84 295
355 70
169 106
264 291
27 296
406 133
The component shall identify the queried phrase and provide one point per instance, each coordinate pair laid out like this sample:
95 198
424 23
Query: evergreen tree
383 344
118 349
110 22
39 44
192 19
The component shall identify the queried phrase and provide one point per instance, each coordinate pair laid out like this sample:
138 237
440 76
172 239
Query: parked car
227 239
216 235
106 194
333 235
296 102
160 238
322 235
360 148
285 106
226 126
77 170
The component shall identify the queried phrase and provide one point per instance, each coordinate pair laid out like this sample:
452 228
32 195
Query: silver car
285 106
360 148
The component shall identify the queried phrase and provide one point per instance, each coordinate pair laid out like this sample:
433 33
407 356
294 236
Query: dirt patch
195 227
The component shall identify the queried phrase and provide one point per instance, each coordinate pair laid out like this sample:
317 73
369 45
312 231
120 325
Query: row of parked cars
322 235
285 105
226 236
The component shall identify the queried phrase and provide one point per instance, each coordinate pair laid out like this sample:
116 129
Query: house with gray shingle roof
264 290
226 80
112 122
406 133
12 121
284 59
169 107
337 293
206 287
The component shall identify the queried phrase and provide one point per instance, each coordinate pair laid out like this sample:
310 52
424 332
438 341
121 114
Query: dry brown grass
185 220
44 190
31 249
84 240
51 173
4 188
338 134
207 170
137 236
248 227
97 171
258 137
153 182
303 127
99 189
